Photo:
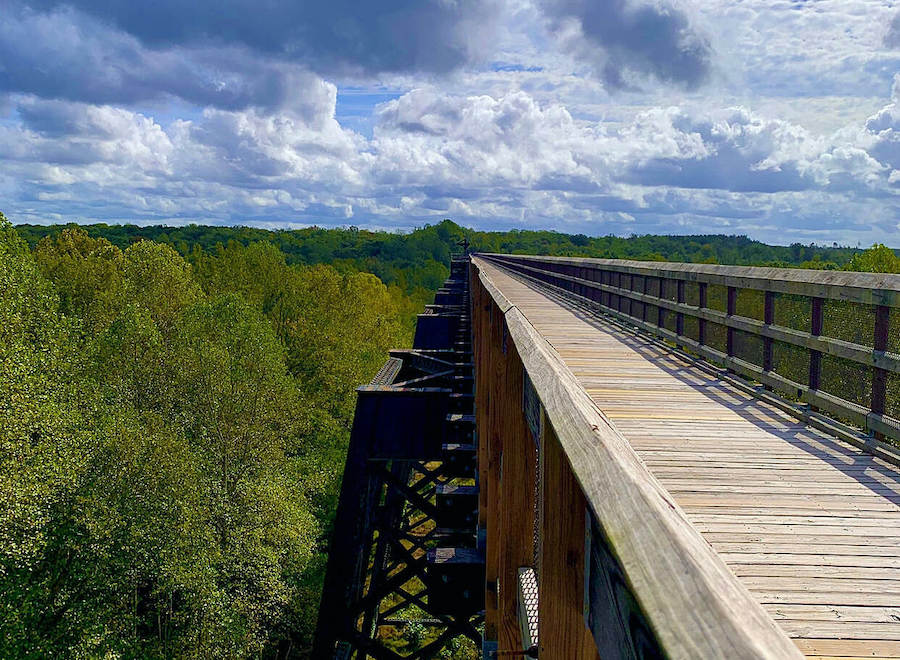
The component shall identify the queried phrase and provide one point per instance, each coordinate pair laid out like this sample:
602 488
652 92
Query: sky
776 119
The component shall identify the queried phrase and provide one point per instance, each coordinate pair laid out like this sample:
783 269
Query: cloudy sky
779 119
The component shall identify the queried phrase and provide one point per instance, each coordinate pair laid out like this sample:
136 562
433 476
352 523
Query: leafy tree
877 259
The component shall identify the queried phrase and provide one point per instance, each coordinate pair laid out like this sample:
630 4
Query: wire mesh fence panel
692 328
692 293
670 320
894 332
848 380
791 362
792 311
717 337
849 321
892 399
748 347
671 290
750 303
717 297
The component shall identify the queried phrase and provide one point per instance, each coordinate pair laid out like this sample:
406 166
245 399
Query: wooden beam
562 631
866 288
516 500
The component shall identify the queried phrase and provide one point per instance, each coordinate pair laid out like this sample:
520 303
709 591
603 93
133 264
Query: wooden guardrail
822 337
620 570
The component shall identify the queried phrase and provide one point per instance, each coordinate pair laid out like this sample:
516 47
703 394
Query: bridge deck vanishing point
810 525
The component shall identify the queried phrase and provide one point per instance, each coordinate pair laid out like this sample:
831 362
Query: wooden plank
860 630
837 614
849 648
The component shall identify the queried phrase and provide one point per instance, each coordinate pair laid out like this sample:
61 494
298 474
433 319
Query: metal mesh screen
748 347
892 402
792 311
716 336
717 297
849 380
692 293
692 328
894 332
791 362
669 322
851 322
750 303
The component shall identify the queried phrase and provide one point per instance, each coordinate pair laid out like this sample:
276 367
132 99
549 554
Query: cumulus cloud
329 37
477 141
505 159
623 37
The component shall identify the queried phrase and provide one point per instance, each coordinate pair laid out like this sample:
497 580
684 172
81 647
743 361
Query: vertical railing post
630 299
817 319
660 310
879 376
679 318
768 319
731 310
701 323
645 288
620 299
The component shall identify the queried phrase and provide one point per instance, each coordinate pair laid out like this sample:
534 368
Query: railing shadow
744 405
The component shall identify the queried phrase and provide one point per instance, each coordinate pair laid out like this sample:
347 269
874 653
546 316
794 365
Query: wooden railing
620 571
820 337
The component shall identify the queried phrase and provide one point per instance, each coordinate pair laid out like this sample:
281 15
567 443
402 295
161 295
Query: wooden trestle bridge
586 458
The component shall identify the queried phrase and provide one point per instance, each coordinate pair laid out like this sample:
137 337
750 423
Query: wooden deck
810 525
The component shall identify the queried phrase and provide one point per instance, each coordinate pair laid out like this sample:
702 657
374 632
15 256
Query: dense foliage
174 412
418 260
171 440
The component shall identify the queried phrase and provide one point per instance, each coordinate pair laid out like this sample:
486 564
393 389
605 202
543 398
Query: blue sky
777 119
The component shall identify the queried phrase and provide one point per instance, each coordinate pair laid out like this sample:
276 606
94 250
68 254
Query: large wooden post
516 500
563 632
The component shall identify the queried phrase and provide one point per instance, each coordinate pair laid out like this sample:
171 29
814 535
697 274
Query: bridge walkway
810 525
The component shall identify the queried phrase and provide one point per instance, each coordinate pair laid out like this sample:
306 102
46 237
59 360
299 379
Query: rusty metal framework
404 578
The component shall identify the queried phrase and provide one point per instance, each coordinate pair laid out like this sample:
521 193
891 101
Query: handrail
612 284
695 605
865 288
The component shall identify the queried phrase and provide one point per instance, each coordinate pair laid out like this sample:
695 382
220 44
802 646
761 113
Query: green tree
877 259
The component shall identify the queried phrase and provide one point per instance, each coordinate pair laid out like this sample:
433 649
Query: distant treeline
418 260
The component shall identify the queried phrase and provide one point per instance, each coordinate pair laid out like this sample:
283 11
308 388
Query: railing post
630 299
679 318
645 289
817 319
768 319
731 309
701 323
879 376
618 296
660 310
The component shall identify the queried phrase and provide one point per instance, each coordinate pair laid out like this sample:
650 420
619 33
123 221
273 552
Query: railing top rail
865 288
695 604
